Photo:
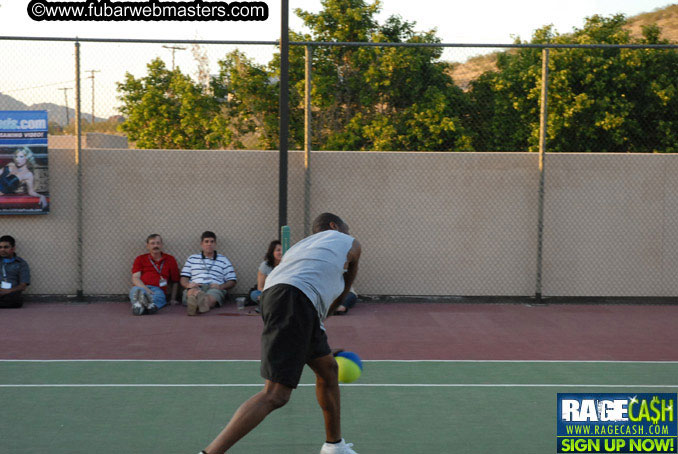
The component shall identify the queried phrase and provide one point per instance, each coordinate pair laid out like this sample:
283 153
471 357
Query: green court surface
397 407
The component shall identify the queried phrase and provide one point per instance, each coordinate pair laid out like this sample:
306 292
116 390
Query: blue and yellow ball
350 366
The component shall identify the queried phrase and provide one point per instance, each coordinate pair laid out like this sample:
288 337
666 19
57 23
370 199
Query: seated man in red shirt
152 275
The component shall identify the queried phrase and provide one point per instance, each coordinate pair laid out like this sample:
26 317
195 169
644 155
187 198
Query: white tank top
315 265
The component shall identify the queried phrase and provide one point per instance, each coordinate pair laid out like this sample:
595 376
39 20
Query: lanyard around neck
209 268
162 264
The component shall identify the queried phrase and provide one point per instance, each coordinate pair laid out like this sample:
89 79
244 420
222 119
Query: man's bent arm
137 282
19 288
228 285
353 258
185 282
173 292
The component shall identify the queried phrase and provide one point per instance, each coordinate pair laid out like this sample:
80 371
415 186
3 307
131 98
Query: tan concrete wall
48 241
100 140
89 140
611 225
435 223
430 223
179 194
60 141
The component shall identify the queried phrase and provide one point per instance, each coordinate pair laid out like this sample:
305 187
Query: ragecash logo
617 423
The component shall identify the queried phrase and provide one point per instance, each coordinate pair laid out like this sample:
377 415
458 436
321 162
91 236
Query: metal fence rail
332 111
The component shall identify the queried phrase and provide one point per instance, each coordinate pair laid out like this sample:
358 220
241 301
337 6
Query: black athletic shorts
292 335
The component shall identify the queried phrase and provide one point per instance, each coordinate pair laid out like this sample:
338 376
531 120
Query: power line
39 86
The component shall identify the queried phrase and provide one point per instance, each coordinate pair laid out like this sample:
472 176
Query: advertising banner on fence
617 423
24 177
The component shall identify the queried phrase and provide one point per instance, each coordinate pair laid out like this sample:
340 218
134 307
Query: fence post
284 112
307 141
78 163
543 122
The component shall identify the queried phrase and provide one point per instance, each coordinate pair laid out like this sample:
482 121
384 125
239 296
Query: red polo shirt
149 274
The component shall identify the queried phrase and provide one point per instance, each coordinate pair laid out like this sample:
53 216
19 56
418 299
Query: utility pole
65 90
174 49
92 71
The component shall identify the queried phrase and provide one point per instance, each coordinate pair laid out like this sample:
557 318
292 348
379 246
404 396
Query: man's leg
210 299
192 300
158 297
12 300
255 295
249 415
135 297
327 393
350 300
206 302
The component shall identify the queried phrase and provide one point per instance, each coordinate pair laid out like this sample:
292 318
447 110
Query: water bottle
240 301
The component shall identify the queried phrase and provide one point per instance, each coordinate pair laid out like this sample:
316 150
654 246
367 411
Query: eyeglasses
5 247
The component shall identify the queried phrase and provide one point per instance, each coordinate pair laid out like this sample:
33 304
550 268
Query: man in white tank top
311 280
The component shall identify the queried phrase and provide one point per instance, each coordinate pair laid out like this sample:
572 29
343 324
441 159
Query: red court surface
395 331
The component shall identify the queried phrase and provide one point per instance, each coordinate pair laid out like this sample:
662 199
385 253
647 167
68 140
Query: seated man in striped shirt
206 277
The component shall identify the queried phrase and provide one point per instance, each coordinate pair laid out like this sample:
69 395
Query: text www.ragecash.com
150 10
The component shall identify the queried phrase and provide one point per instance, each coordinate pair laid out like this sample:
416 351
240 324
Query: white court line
518 361
354 385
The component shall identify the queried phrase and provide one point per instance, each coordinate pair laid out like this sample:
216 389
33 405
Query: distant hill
666 18
55 113
464 73
9 103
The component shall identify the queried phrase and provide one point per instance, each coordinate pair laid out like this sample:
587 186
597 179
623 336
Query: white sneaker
145 300
138 309
338 448
137 305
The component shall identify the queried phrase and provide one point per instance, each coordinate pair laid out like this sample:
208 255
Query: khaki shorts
218 295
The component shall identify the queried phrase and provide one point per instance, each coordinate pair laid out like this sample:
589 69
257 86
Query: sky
490 21
481 22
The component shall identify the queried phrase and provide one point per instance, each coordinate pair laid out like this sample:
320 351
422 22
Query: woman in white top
273 257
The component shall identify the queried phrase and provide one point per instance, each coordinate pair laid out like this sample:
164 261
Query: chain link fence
176 138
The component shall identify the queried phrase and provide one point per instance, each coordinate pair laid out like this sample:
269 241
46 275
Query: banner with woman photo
24 176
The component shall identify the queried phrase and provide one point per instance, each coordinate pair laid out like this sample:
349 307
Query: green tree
249 93
363 98
600 100
380 98
166 109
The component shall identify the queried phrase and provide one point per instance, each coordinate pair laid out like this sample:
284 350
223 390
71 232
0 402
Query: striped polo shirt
203 270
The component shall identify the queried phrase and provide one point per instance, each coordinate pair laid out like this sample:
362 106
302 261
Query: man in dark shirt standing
15 277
